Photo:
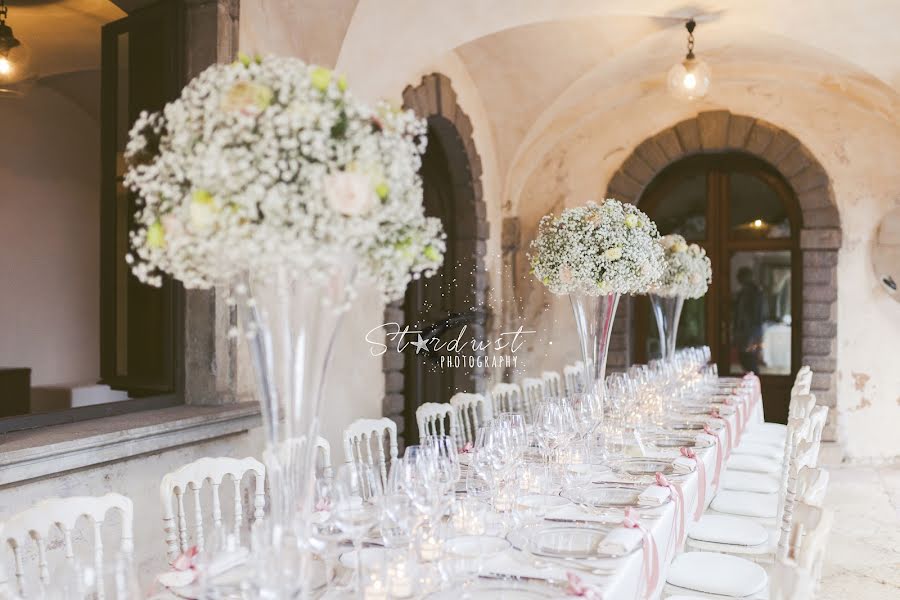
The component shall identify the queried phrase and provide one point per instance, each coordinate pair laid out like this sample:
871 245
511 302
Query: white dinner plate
500 589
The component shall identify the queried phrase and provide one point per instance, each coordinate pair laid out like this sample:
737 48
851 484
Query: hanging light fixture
15 57
689 79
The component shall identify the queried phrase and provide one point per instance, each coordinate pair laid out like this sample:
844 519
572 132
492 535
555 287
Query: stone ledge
36 453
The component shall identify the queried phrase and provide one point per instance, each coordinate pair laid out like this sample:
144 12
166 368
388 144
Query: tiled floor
863 557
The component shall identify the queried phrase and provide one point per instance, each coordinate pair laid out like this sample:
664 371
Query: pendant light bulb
690 78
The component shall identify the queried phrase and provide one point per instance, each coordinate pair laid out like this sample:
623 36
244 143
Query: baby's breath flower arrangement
688 271
270 163
597 249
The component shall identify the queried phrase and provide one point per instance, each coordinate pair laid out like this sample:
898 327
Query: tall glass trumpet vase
594 316
667 310
290 321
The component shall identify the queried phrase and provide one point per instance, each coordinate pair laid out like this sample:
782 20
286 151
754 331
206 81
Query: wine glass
446 459
357 490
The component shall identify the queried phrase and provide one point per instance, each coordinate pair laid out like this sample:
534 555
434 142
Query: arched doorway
454 300
747 218
817 228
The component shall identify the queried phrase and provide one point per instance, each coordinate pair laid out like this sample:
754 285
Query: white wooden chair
573 379
533 393
35 525
796 575
362 435
437 418
507 397
472 410
552 384
190 479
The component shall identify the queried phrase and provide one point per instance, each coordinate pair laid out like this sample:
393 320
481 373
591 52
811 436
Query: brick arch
434 100
820 230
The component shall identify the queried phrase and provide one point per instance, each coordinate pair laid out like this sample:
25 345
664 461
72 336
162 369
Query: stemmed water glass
355 496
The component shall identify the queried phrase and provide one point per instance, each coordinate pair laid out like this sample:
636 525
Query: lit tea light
375 589
429 549
400 583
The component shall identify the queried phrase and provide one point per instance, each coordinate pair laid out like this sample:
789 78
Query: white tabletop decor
266 175
687 274
594 253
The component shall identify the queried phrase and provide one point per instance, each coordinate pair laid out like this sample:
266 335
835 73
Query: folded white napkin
683 464
705 437
620 541
654 495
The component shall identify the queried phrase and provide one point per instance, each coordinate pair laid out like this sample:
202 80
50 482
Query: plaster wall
853 144
50 239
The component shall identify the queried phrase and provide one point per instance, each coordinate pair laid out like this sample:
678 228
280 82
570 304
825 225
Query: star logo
421 344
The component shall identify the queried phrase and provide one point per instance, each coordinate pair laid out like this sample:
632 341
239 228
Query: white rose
203 210
613 253
350 194
679 246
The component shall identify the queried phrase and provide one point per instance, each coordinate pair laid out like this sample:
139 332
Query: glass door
746 217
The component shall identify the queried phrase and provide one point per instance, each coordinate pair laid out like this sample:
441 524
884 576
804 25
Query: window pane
757 211
683 209
761 312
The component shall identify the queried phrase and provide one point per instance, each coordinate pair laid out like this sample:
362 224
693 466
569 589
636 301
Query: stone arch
434 100
820 230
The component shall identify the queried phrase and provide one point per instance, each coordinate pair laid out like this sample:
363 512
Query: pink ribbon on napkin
577 587
677 493
719 457
729 440
737 402
185 560
467 448
701 476
323 504
650 564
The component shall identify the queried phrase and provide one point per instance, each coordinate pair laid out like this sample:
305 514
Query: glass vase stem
667 311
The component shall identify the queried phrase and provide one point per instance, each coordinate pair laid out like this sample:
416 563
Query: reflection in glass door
747 218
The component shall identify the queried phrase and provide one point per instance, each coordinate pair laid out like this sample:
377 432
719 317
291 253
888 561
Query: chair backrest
437 418
552 384
573 379
323 451
507 397
35 524
812 483
472 411
533 393
801 405
795 575
802 452
190 479
360 437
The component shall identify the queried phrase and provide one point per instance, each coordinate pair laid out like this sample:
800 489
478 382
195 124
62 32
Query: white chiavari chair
507 397
764 458
35 525
190 479
437 418
552 384
472 411
573 380
767 506
362 435
794 576
749 538
774 433
533 393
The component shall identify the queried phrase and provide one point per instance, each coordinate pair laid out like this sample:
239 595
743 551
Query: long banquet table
625 579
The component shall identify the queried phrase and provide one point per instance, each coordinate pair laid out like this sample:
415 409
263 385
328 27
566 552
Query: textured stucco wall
853 143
